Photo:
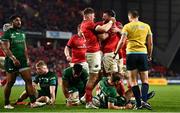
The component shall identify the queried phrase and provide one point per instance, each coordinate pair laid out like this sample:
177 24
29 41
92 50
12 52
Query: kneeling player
107 98
48 83
74 81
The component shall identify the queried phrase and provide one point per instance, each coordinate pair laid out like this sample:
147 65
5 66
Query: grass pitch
167 99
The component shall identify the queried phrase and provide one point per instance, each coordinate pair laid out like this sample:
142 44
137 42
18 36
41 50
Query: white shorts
84 65
110 64
2 59
94 61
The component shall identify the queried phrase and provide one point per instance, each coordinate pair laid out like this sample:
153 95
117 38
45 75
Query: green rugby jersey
16 38
68 76
45 81
107 94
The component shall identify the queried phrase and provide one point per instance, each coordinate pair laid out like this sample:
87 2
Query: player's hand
15 61
128 106
149 58
115 30
68 58
113 19
52 101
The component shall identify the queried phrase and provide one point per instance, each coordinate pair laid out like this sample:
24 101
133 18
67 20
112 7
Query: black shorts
137 61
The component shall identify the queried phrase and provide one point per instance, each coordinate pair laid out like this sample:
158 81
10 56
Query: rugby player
75 50
14 46
48 83
74 81
93 55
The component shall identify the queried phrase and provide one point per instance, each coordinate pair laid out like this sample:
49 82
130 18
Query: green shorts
10 67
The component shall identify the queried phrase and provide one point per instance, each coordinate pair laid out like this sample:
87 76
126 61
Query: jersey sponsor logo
13 36
10 69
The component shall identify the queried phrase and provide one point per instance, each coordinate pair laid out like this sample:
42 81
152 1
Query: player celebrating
138 34
107 98
74 81
88 28
16 60
75 50
108 45
48 83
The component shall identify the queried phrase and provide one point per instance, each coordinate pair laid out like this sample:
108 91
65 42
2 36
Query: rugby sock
88 94
32 98
121 87
7 102
136 92
144 91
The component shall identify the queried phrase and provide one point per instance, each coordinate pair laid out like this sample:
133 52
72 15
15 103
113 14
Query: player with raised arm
93 55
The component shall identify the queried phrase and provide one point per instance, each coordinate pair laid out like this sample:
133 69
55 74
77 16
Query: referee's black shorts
137 61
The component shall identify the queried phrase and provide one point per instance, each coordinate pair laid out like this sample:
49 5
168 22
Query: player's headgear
14 16
115 77
133 13
88 11
110 12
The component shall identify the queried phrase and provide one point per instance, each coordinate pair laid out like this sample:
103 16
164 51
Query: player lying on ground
107 98
48 83
74 81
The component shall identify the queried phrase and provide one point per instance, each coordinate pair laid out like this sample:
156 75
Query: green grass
167 99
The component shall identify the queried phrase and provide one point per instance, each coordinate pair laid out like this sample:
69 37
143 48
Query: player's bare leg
11 78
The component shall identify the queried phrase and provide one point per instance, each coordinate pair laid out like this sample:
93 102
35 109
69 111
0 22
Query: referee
139 50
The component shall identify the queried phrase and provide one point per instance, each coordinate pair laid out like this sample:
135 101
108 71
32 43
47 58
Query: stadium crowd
44 14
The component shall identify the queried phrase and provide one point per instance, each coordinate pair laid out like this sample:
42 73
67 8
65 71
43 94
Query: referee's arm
120 43
149 46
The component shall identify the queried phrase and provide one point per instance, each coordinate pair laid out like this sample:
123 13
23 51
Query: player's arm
105 27
149 46
52 88
85 76
120 43
112 106
117 28
65 88
67 51
52 93
6 48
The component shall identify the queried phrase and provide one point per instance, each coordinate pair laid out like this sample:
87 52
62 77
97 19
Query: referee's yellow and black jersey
136 33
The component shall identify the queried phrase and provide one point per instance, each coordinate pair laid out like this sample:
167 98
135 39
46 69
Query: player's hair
110 12
88 10
40 63
77 68
14 16
133 13
115 77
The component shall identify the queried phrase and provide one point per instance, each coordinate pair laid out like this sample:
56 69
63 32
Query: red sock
129 85
121 85
88 95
